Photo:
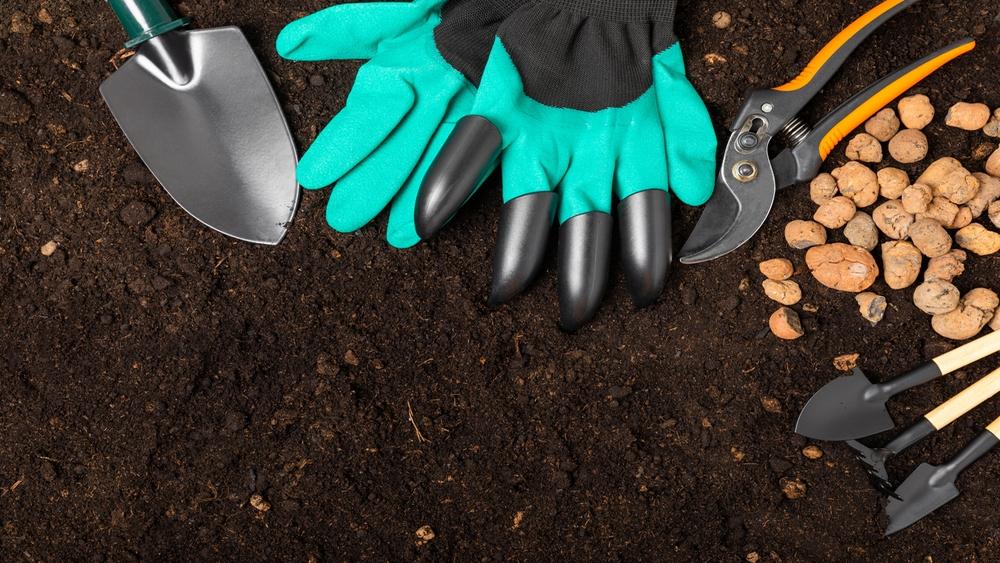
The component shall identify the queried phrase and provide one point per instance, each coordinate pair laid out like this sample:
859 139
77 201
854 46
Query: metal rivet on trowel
767 108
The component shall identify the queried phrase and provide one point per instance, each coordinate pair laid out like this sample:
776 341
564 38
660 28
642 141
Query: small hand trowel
948 412
852 407
201 113
930 487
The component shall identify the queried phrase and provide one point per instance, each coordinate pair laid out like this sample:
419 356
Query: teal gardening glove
586 101
426 57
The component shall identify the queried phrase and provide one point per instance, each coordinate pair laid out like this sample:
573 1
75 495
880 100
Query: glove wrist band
661 11
467 30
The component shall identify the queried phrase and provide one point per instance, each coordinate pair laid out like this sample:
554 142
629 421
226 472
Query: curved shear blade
733 216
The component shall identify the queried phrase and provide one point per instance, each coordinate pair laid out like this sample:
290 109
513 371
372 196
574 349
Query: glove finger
587 185
352 31
470 153
642 160
367 189
376 106
402 230
688 131
584 233
526 218
647 245
532 165
644 211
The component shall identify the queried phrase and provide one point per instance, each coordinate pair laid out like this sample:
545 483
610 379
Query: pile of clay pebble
914 220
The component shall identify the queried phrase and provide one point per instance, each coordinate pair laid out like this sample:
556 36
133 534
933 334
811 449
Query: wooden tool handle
969 353
973 396
994 428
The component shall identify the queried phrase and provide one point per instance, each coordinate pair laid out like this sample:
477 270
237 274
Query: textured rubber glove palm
590 156
406 100
585 101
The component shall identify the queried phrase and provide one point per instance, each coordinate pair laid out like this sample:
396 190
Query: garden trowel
852 407
198 108
874 458
930 487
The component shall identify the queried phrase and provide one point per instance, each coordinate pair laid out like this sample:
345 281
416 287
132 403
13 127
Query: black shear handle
785 102
828 61
802 163
854 112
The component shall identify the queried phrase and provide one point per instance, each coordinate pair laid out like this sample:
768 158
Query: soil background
155 375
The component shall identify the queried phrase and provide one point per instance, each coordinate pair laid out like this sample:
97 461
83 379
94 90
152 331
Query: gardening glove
426 57
586 101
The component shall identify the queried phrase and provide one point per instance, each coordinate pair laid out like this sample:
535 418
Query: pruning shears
754 167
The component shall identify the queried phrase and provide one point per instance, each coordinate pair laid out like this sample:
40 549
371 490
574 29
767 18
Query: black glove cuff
467 30
588 55
620 10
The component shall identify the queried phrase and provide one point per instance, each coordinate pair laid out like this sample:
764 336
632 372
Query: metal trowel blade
845 409
927 489
200 111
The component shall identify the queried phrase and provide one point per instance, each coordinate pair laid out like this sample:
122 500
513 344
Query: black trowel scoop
852 407
971 397
930 487
198 108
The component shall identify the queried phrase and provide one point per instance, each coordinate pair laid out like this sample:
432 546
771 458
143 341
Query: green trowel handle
145 19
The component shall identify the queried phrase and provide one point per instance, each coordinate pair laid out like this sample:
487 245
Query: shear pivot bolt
745 171
749 141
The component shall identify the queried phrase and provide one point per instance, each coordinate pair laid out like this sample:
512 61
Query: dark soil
156 375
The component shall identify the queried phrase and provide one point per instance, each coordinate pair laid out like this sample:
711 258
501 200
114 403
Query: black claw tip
647 247
461 166
521 238
584 246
